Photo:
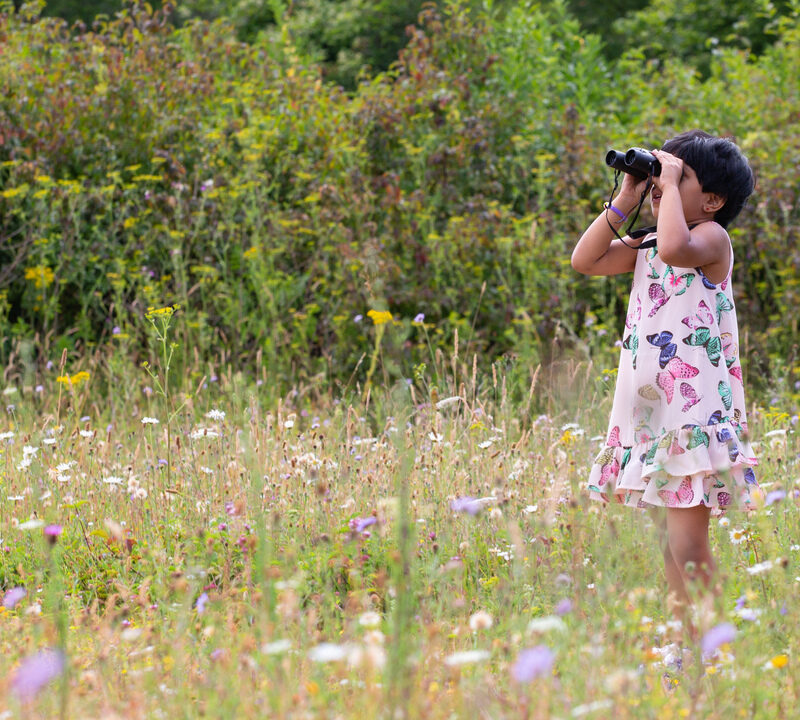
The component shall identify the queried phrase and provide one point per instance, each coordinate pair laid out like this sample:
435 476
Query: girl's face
693 199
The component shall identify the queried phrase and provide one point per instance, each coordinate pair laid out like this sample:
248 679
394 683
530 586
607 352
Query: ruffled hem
710 465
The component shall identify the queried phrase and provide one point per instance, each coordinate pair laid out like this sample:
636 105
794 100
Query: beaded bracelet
622 216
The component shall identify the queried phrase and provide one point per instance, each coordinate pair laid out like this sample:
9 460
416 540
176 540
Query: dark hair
720 166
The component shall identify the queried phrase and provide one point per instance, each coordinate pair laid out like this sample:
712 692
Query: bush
143 165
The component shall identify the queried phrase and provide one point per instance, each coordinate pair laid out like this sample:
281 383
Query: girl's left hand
671 169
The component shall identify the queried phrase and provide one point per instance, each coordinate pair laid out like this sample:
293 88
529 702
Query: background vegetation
349 475
154 158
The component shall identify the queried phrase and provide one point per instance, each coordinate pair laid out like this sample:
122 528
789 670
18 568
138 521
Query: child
678 431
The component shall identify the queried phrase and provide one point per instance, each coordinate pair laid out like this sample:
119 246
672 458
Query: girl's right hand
631 190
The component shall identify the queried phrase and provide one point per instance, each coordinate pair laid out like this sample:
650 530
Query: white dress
678 430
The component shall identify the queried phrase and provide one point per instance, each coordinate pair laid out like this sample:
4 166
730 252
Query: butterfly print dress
678 431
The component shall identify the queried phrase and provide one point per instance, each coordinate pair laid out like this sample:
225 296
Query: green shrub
143 165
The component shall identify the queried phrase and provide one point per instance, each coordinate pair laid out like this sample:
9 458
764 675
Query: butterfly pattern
679 403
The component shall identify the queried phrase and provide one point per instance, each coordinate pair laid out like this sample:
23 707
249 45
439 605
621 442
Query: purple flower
466 504
741 602
774 496
420 318
51 532
201 603
532 663
37 671
719 635
360 524
564 607
116 330
13 596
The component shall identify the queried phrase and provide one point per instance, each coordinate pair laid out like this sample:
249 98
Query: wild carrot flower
467 657
328 652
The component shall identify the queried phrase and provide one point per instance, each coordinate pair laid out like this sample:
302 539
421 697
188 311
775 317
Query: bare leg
690 551
675 585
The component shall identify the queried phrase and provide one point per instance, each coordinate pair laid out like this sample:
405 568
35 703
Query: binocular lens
636 161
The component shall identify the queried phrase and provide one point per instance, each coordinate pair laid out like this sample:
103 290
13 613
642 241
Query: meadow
401 551
301 390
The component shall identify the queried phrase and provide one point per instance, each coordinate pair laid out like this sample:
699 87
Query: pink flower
51 532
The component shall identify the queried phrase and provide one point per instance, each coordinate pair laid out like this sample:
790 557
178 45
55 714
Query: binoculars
637 162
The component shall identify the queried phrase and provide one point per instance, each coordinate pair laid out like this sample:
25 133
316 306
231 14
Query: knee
687 549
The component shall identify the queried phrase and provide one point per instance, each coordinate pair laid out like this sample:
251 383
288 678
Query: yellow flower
13 192
779 661
73 380
165 312
41 275
380 317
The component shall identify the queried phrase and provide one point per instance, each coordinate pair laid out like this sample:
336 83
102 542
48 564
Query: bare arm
706 245
598 252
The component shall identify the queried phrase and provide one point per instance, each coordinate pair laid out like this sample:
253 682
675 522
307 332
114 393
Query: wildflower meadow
300 392
398 552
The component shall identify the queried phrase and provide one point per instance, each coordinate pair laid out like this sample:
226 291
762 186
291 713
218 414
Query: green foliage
144 165
695 31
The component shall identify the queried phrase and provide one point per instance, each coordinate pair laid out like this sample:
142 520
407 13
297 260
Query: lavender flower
360 524
466 504
719 635
201 603
36 672
419 319
13 596
532 663
774 496
563 607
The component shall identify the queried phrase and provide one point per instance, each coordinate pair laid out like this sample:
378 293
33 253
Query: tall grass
142 165
318 556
